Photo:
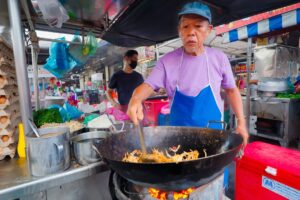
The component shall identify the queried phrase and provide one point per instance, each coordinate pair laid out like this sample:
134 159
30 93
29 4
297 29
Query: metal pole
61 41
249 59
35 78
157 52
20 62
106 76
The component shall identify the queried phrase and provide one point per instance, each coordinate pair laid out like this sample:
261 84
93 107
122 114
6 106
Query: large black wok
221 147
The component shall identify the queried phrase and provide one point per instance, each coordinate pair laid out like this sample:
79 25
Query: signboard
42 72
146 53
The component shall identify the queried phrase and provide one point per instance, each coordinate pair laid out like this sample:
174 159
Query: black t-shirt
125 84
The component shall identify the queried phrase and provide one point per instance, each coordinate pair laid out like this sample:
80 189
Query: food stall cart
110 24
270 114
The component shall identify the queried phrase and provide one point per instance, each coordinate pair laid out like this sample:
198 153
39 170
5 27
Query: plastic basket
152 109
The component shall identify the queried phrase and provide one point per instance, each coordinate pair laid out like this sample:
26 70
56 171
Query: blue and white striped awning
275 23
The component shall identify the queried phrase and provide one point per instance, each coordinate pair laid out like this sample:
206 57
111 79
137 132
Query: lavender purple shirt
192 76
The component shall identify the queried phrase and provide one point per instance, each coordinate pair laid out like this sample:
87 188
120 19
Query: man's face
193 30
131 59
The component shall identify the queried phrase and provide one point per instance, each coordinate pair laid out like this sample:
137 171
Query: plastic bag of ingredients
101 122
90 44
72 111
63 113
89 118
53 12
76 50
118 114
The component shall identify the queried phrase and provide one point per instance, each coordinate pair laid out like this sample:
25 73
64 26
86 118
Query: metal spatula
142 138
144 156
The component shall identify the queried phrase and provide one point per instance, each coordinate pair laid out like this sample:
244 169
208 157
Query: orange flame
183 194
162 195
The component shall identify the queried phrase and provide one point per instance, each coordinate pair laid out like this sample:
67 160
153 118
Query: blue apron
198 110
195 111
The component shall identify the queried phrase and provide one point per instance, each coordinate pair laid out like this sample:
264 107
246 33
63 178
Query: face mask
133 64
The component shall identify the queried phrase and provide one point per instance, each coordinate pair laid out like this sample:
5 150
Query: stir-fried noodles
157 156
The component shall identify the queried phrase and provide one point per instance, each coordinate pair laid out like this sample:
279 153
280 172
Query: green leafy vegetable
43 116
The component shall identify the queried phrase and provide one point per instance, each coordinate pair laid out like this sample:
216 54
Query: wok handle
61 152
97 151
217 122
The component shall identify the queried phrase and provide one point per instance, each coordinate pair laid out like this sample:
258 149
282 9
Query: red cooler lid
273 160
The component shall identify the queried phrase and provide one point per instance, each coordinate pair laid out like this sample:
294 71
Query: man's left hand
242 130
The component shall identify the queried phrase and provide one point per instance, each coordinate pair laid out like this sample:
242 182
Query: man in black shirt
125 81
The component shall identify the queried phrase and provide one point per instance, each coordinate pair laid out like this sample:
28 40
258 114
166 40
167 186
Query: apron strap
207 65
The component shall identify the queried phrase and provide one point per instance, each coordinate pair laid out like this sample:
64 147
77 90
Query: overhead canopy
147 22
276 23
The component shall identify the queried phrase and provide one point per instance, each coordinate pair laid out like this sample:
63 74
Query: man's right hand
135 107
135 110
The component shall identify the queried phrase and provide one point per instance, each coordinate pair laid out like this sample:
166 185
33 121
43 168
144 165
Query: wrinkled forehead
192 18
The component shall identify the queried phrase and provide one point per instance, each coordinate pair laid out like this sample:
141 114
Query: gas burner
122 189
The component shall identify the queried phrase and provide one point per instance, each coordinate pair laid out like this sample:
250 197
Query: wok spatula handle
142 138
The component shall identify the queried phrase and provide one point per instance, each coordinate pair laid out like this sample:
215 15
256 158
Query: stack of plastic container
10 115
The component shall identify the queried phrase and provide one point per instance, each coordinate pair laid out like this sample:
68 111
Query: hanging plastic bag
59 62
90 45
59 52
76 50
53 12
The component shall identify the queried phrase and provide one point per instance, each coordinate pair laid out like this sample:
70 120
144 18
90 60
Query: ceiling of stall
133 23
87 15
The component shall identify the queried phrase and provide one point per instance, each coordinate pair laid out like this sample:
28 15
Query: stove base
125 190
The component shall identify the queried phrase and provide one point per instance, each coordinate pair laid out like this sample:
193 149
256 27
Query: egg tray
9 130
8 117
6 140
8 96
5 49
7 82
7 151
7 68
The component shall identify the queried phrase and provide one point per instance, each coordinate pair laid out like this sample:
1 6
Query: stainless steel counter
16 181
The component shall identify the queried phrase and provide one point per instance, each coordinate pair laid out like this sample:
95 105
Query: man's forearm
110 98
142 92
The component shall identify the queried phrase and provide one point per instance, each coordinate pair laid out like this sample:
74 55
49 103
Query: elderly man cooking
193 77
